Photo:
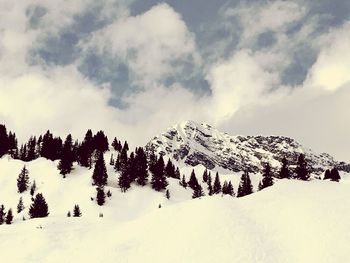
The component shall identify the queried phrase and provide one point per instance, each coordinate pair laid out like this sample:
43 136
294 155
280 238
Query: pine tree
230 190
2 214
123 161
39 207
267 179
67 157
141 167
224 188
111 160
31 145
126 146
217 184
100 196
115 144
12 145
245 186
167 194
193 182
124 181
69 214
131 168
33 188
152 161
100 142
117 164
198 192
23 180
170 169
302 172
335 175
158 180
183 182
20 205
210 186
100 175
9 217
284 172
76 211
4 140
205 176
327 175
85 150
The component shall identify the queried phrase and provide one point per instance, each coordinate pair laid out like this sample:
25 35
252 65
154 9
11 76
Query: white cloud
332 68
258 18
149 42
237 82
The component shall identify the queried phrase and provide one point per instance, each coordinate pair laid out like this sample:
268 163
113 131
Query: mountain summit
191 143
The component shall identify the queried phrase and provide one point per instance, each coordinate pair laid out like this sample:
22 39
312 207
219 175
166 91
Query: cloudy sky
136 67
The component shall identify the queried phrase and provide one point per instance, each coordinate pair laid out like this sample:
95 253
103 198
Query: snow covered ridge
191 143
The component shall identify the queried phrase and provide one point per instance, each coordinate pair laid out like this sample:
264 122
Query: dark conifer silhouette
335 175
193 182
141 166
100 142
39 207
99 175
115 145
198 192
217 184
9 217
284 172
20 205
4 140
183 182
33 188
125 146
111 160
124 180
210 186
245 186
327 175
67 157
69 214
85 150
117 163
158 180
229 190
76 211
167 194
12 145
170 169
123 160
301 170
205 176
267 179
131 168
31 149
100 196
23 180
2 214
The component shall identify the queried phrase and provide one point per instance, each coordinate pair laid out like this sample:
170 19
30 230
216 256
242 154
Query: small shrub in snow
76 211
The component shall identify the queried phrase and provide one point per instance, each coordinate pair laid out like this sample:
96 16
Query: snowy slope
292 221
191 143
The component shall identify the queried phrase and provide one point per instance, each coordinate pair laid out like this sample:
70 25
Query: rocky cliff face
191 143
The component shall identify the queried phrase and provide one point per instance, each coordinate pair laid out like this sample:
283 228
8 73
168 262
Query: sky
136 67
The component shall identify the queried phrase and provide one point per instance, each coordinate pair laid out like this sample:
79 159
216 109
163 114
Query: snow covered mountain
191 144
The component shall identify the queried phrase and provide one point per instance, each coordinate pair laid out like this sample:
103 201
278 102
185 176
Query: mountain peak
191 143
